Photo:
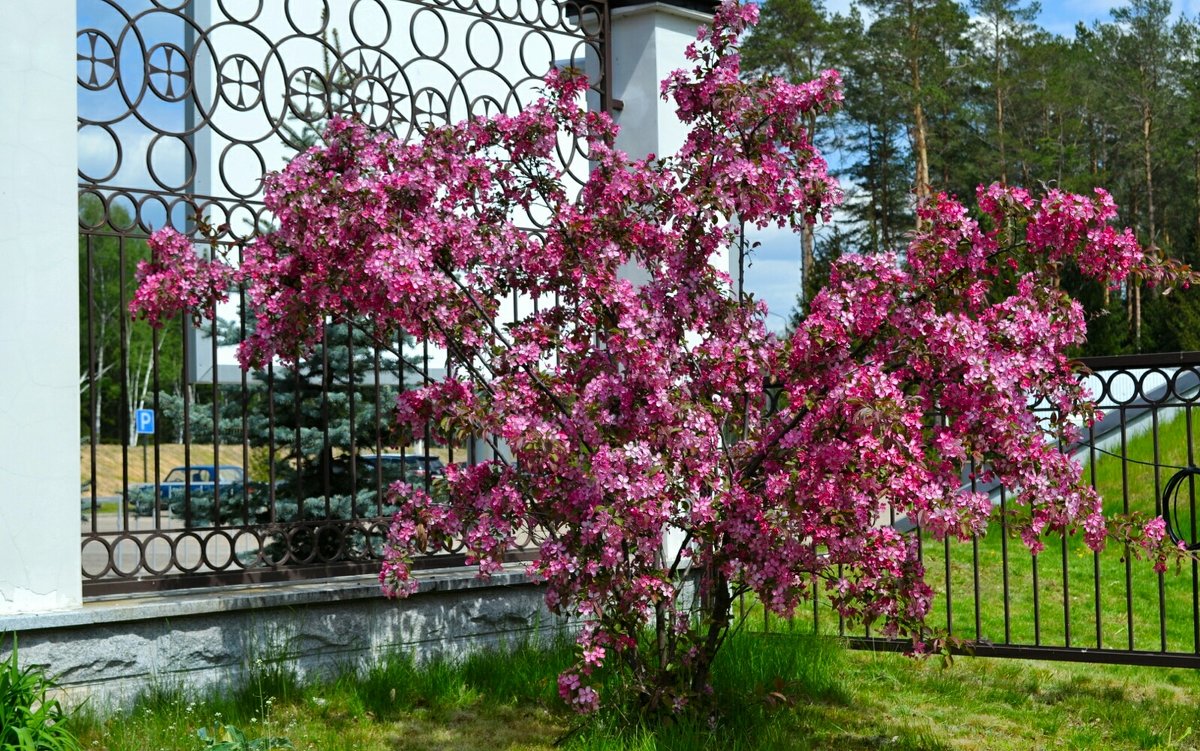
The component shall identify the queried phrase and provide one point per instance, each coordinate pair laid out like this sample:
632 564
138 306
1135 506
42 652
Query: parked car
408 467
200 478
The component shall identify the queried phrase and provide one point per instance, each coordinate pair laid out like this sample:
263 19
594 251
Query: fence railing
194 472
994 598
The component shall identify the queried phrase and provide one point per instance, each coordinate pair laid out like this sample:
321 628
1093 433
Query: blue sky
1061 17
773 273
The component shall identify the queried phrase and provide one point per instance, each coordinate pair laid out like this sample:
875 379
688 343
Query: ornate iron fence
996 599
183 106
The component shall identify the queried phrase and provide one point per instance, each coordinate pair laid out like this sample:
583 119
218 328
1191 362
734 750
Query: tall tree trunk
807 239
1147 162
920 146
1147 127
97 394
139 388
885 177
1062 147
807 261
878 192
999 69
101 369
1196 240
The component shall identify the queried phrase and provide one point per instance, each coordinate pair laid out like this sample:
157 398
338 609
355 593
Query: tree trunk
1147 127
807 239
807 261
140 388
1196 240
885 184
999 103
1151 230
920 146
719 611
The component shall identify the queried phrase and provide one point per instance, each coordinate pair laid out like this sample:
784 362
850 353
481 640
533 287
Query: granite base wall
110 651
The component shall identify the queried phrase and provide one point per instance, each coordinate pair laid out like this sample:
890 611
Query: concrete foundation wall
111 651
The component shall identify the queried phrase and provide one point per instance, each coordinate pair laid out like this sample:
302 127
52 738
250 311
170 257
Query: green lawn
779 691
1069 596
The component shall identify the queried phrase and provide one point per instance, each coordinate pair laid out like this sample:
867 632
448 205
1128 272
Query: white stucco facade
648 42
39 316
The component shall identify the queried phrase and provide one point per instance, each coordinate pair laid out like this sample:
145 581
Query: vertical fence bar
245 392
427 480
1037 605
816 604
1187 410
185 377
272 514
949 592
379 430
841 617
1066 584
93 383
1095 554
123 374
1125 508
1066 598
326 446
216 414
1004 564
1162 595
157 510
400 338
975 584
351 388
297 445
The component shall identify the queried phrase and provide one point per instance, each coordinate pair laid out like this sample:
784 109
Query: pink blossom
642 450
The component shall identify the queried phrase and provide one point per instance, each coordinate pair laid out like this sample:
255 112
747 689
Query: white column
39 312
648 41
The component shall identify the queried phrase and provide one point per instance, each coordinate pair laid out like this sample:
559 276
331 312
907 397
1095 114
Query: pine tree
795 40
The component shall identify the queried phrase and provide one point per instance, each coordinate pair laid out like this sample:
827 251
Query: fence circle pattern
254 75
213 551
184 106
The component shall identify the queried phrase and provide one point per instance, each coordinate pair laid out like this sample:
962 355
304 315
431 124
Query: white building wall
39 312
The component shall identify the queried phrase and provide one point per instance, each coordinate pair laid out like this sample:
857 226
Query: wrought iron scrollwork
184 106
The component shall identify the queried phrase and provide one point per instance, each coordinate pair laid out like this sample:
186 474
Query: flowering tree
630 420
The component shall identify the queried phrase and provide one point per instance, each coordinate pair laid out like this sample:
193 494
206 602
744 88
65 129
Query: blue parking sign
144 419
